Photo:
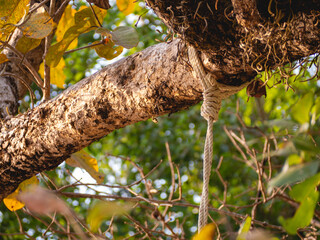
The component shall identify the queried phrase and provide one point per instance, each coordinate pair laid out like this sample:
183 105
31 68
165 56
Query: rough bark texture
158 80
233 49
131 90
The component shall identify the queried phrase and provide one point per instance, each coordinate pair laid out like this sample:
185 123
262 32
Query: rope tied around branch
213 94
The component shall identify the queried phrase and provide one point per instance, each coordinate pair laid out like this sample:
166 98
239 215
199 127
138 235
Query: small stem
26 63
80 48
95 15
46 84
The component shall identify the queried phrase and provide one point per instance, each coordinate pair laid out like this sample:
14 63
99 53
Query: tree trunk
236 39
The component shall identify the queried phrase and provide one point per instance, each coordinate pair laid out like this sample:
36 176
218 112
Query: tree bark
150 83
157 80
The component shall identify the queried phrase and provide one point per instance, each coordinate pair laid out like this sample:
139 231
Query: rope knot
212 97
211 103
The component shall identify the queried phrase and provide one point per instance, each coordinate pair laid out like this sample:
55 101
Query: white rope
212 97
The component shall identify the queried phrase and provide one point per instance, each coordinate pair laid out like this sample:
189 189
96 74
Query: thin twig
84 47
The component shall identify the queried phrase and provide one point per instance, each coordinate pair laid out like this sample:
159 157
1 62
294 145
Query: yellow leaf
104 210
11 201
108 50
66 21
11 13
86 13
57 76
126 6
3 58
244 229
206 233
39 25
83 160
25 185
84 22
26 44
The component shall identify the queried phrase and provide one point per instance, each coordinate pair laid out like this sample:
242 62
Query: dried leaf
11 13
26 44
104 4
125 36
256 89
126 6
39 25
104 32
3 58
104 210
83 160
108 50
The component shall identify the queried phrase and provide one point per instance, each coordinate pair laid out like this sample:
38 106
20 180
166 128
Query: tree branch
153 82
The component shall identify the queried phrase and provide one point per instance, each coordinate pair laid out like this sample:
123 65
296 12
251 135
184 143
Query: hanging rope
213 94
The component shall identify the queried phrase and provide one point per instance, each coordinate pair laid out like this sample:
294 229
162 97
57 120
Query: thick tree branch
153 82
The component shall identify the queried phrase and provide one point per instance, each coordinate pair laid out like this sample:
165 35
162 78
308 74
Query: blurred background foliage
287 117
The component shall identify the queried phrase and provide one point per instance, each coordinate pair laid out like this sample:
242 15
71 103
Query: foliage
266 152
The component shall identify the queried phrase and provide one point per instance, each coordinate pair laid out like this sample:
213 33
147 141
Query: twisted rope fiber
212 97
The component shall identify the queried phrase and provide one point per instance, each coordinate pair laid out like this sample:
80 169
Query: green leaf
281 123
302 190
105 210
301 110
305 145
26 44
307 194
316 108
293 159
244 229
125 36
108 50
294 174
303 215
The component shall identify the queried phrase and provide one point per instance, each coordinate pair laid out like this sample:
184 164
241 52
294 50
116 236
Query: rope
213 94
